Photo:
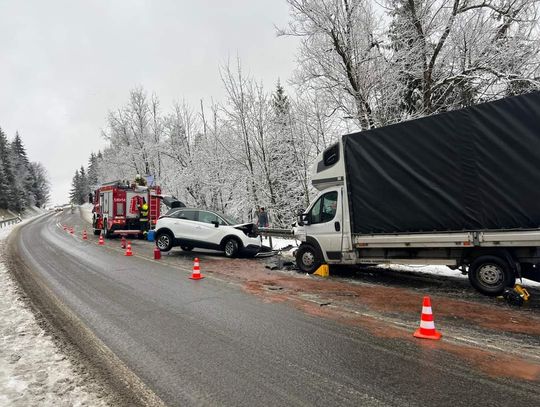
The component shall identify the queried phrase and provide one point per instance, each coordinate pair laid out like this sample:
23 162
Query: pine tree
40 185
23 179
285 181
75 185
93 171
4 187
10 197
84 188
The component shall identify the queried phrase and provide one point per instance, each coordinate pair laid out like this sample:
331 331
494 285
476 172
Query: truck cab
421 192
323 228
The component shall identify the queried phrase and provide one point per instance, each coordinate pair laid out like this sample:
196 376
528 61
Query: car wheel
491 275
308 259
231 247
187 248
164 241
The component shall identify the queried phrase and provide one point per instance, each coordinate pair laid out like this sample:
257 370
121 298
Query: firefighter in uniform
143 217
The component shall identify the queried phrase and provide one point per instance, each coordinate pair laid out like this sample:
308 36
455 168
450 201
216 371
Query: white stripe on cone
427 324
427 310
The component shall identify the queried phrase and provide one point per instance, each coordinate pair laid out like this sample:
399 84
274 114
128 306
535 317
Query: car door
184 224
325 223
207 230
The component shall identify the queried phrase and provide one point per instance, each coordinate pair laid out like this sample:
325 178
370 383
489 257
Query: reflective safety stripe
426 310
427 324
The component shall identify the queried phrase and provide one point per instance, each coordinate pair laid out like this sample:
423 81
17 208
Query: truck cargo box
466 170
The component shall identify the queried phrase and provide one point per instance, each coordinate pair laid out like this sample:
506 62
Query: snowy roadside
86 212
33 370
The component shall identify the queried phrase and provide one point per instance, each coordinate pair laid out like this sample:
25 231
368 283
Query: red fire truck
116 207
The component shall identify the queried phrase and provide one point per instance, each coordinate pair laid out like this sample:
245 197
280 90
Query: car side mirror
215 223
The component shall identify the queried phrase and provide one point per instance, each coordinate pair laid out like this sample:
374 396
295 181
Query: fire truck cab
116 208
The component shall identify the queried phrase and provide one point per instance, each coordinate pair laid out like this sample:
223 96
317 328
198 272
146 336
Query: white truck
460 189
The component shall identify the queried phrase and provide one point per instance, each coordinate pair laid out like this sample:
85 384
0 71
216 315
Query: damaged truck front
461 189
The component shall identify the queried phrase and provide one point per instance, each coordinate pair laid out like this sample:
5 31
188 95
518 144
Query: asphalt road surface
210 343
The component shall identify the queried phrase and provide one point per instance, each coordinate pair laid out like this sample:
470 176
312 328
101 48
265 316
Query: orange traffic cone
101 242
123 244
84 235
128 250
427 325
196 274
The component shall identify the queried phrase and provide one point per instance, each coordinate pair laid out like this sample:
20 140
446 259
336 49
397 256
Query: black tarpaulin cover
472 169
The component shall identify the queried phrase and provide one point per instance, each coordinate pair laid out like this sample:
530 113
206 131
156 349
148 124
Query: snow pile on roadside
33 371
279 243
442 271
426 269
86 212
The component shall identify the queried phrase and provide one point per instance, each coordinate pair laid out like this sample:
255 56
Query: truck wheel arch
308 258
314 242
504 254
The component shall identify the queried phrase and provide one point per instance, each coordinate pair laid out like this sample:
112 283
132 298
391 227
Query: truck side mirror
215 223
299 217
303 218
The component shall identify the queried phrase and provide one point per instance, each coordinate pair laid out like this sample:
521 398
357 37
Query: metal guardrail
11 221
275 232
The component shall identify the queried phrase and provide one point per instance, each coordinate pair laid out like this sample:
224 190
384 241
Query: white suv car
190 228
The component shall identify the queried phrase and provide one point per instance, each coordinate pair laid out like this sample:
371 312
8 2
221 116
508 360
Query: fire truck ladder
153 210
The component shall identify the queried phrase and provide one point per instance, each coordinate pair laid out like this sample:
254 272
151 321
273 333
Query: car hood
249 229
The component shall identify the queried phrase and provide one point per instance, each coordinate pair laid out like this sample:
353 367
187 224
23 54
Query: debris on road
516 296
281 263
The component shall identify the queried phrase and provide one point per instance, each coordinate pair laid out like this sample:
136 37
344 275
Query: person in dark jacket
262 218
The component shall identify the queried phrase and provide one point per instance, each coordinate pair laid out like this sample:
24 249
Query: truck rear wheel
491 275
308 258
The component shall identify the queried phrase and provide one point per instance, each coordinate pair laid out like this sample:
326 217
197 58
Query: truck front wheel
491 275
308 258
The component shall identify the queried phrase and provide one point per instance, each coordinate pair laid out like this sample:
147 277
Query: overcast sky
65 64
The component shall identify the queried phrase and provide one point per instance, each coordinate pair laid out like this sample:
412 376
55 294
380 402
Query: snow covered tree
428 56
79 187
340 53
7 201
40 184
22 183
93 170
22 186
